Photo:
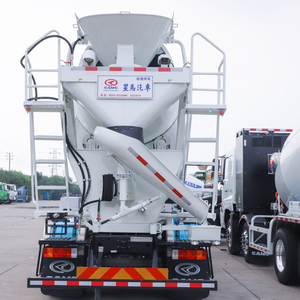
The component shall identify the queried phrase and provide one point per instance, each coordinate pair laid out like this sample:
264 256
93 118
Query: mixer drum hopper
145 32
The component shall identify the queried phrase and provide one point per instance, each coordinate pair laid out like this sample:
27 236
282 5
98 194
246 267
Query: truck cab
248 188
228 187
12 191
4 195
23 194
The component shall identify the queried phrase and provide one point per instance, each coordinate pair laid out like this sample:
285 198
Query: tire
298 261
214 222
285 250
187 295
245 243
233 242
62 292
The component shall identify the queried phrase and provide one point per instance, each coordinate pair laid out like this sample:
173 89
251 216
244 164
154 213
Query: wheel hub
280 255
245 242
228 235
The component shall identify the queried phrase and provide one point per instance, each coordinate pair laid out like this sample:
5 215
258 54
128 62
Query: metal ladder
33 106
215 110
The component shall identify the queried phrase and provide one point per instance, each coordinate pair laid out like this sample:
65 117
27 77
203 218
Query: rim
228 235
245 241
280 255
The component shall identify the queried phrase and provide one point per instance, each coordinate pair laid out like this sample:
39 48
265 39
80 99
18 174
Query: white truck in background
261 199
126 112
12 191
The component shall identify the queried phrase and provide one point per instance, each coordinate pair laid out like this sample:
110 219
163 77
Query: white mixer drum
287 176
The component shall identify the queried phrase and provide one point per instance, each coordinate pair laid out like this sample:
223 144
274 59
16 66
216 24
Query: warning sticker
122 273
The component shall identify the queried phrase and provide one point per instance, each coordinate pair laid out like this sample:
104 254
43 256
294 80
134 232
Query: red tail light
189 254
60 252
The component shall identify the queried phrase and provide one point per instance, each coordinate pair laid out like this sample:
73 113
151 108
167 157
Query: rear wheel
187 294
298 261
62 292
233 242
245 243
285 255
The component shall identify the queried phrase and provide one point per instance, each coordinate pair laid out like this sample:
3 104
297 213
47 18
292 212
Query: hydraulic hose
71 149
78 157
43 39
72 48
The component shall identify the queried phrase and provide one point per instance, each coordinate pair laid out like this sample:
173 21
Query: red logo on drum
111 82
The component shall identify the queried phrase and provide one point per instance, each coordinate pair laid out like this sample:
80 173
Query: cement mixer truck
126 111
282 231
260 199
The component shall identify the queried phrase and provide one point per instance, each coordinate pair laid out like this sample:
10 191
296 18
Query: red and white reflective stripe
158 175
264 249
127 69
285 219
89 283
269 129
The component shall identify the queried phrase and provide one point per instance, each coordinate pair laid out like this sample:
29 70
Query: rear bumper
61 283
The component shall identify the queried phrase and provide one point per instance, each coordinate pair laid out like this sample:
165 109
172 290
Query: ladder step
206 190
199 163
42 70
44 106
52 187
201 140
42 86
205 109
50 161
49 137
207 90
209 73
44 213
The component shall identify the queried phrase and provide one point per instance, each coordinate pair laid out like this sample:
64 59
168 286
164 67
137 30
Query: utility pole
9 157
54 166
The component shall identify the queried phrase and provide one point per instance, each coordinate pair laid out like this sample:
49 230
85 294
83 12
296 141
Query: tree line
20 179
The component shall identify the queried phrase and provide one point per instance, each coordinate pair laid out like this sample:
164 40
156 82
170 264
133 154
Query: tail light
60 252
189 254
